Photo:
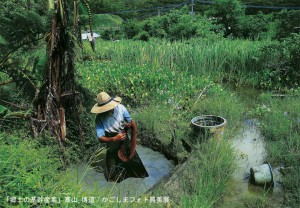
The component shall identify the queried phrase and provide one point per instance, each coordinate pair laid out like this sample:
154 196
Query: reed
228 60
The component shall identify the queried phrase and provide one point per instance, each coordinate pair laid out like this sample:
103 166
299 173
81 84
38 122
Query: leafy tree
112 34
280 62
227 13
131 28
259 26
287 23
107 6
274 3
176 25
156 27
22 24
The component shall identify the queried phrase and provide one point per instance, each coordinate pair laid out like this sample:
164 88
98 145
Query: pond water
156 164
250 152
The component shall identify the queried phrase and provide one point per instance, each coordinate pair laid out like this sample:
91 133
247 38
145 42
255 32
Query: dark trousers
116 169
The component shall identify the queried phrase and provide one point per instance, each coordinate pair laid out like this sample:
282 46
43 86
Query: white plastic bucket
262 175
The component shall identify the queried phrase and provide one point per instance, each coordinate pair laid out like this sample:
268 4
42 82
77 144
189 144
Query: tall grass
222 59
281 128
32 176
29 170
214 162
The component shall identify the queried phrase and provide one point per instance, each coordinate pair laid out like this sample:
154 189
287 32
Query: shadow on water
93 178
250 152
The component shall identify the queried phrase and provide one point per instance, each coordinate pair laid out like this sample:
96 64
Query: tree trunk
50 105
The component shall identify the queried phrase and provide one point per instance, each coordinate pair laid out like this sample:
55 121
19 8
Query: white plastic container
262 175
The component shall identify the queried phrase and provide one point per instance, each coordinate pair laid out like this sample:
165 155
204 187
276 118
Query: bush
112 34
227 13
259 26
280 64
287 22
131 28
176 25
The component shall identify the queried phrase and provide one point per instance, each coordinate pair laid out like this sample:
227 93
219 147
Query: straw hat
105 103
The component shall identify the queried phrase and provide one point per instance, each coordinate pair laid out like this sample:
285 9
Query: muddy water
250 152
155 163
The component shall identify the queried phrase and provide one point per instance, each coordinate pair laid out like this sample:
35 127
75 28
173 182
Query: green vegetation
280 64
103 22
264 64
176 25
225 18
227 14
221 60
168 68
208 168
169 99
29 169
214 162
281 128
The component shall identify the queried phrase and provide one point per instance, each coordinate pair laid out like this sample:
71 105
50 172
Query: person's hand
119 137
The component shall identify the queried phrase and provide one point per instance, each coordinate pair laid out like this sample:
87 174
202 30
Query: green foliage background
162 70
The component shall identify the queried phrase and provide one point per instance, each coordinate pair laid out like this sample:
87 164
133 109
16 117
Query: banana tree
57 96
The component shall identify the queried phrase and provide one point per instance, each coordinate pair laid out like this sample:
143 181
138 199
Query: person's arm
130 123
101 135
118 137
